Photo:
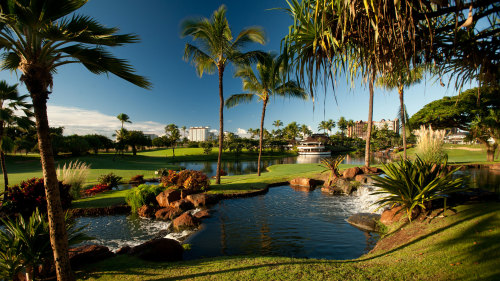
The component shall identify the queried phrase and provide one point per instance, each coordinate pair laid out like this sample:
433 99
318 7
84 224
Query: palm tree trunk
58 235
221 124
261 134
370 121
403 126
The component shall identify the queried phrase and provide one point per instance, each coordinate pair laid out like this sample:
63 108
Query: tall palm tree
217 48
9 102
350 126
265 83
330 125
400 80
124 118
342 125
174 135
37 38
277 124
323 125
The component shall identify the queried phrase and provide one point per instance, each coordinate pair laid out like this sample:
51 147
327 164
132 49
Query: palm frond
202 61
236 99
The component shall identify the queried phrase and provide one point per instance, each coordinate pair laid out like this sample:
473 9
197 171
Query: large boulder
202 214
167 197
392 215
363 179
168 213
185 221
201 199
161 249
305 182
88 254
146 211
182 205
371 170
351 172
364 221
343 186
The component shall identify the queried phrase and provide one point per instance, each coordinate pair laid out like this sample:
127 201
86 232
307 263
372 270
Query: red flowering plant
98 188
25 197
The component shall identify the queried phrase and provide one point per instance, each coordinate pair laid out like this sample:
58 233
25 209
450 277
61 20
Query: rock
168 213
201 199
363 179
364 221
146 211
167 197
352 172
371 170
185 221
88 254
328 189
343 186
182 205
202 214
306 182
123 250
390 216
494 167
162 249
329 182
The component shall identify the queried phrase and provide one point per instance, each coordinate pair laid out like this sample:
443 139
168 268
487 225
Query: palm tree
277 124
124 118
37 38
323 125
350 124
305 131
399 80
330 125
265 83
342 125
9 102
216 49
174 135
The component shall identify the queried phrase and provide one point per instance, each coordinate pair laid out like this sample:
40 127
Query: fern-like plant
332 164
413 185
74 174
144 194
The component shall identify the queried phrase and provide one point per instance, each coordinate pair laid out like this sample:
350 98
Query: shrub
110 179
74 174
189 180
207 147
332 164
430 144
30 194
25 244
98 188
144 194
414 185
137 178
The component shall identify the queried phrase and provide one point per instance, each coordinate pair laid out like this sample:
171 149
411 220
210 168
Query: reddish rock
161 249
328 189
167 197
146 211
123 250
88 254
168 213
303 182
364 179
390 216
202 214
182 204
371 170
352 172
201 199
185 221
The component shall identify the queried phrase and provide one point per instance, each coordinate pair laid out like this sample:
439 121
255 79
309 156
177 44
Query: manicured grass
460 154
461 246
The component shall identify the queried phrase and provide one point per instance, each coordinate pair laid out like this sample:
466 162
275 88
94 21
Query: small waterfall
365 200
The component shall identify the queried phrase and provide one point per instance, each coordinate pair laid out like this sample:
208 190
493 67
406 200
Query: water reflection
485 178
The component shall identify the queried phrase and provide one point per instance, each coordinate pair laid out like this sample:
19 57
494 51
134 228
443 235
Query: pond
250 167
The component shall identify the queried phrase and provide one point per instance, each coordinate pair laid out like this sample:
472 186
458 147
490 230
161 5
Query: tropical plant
137 179
332 164
342 124
188 180
98 188
110 179
10 101
30 241
414 185
305 131
207 147
399 80
74 174
38 37
135 139
144 194
267 82
430 144
217 48
124 118
277 124
174 136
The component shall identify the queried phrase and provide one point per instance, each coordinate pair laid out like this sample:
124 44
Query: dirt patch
401 237
466 148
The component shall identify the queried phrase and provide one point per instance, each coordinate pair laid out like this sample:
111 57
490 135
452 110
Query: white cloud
82 121
241 131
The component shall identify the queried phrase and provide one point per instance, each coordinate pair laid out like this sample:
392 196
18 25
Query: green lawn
461 153
461 246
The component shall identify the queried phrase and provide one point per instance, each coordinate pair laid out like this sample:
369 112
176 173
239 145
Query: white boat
312 148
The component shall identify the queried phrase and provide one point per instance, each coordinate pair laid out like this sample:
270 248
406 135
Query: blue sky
85 103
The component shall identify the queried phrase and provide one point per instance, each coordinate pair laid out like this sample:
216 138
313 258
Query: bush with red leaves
189 180
98 188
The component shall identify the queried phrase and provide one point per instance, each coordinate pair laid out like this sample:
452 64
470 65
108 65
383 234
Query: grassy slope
461 153
463 246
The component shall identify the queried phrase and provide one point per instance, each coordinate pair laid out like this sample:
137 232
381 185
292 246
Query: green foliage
207 147
413 185
137 178
144 194
430 144
186 247
25 244
74 174
110 179
332 164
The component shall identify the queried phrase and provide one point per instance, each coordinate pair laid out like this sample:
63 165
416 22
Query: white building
199 133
